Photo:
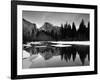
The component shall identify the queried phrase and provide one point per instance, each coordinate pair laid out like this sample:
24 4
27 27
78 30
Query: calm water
48 54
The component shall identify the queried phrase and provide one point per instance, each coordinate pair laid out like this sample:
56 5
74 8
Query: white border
21 71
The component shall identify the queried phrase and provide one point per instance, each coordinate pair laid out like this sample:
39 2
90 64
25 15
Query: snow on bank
60 45
72 42
25 54
59 42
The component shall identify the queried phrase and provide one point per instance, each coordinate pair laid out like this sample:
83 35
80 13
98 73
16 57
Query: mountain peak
47 27
47 24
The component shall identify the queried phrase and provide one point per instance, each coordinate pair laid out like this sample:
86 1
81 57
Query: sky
55 18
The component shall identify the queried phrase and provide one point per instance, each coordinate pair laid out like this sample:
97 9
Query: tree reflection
83 51
66 53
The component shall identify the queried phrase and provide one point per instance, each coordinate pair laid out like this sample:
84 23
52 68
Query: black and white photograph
55 39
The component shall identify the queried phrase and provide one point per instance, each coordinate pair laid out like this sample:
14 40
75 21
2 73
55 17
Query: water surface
51 54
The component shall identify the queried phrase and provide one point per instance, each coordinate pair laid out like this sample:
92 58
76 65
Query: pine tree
69 30
61 32
82 31
74 33
88 31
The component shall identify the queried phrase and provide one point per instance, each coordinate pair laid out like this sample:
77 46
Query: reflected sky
56 56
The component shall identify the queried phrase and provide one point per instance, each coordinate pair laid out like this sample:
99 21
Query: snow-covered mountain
49 27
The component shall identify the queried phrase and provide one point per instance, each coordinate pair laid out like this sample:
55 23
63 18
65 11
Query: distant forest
65 32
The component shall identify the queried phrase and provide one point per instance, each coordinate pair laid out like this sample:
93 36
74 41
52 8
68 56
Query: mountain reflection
66 53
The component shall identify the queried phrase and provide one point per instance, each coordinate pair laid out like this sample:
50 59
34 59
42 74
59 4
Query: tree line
70 33
66 32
